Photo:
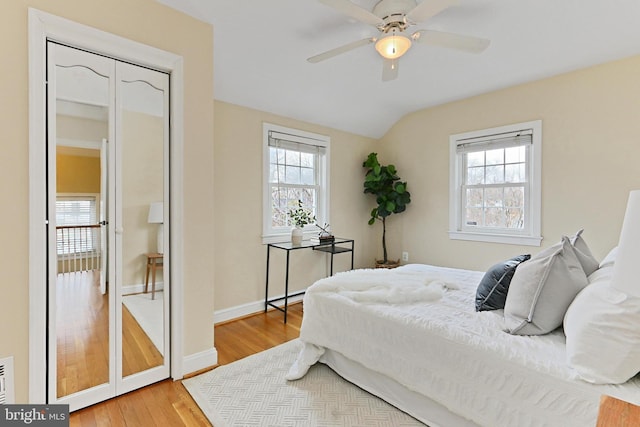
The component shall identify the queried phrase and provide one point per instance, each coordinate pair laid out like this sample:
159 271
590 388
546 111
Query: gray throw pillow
587 260
542 289
492 289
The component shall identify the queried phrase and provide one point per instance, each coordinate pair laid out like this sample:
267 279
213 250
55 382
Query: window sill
286 237
496 238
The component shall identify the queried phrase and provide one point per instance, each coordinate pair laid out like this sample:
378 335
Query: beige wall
240 256
590 145
143 184
147 22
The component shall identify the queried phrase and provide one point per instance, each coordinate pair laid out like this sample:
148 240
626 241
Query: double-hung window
296 168
75 218
495 184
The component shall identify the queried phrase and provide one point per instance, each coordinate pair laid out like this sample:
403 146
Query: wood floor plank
168 403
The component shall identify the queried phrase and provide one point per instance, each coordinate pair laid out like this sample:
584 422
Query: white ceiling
261 46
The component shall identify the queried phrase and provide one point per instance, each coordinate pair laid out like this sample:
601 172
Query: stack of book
323 238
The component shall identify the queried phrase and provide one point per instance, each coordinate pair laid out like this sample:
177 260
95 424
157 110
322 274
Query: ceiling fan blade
356 12
450 40
339 50
428 8
389 69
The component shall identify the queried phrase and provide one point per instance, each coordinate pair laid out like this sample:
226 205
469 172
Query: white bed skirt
417 405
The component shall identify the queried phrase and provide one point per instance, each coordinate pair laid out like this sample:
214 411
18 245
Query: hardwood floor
167 403
83 336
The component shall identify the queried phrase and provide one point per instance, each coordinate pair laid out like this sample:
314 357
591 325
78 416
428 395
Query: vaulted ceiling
261 49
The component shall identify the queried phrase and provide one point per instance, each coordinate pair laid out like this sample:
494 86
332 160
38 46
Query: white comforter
417 325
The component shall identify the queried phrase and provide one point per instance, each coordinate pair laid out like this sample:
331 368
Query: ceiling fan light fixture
393 46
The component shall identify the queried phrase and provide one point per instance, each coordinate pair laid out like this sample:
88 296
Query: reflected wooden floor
167 403
83 335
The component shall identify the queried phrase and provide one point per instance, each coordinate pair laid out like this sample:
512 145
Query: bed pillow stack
543 288
601 326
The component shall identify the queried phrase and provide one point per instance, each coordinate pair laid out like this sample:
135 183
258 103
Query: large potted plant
391 196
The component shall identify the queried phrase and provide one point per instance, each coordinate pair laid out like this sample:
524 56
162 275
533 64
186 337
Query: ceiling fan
392 18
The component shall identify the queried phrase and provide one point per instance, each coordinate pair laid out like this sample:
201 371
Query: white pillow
542 289
603 273
603 334
610 259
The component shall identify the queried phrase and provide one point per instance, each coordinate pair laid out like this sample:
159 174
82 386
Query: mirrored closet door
108 206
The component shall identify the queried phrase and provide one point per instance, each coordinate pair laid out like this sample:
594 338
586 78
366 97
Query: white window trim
323 205
534 237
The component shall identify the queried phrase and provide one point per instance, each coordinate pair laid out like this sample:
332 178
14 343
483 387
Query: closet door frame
43 27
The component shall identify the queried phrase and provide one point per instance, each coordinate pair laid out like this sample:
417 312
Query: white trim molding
247 309
44 27
531 236
201 360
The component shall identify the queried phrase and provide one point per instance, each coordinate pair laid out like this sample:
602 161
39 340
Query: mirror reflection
82 201
142 143
82 304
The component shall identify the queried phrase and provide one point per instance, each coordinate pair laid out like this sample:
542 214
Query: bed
413 337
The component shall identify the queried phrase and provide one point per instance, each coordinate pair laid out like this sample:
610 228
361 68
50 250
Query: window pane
273 173
475 176
475 159
514 218
474 197
494 174
307 176
306 160
474 217
514 173
515 154
514 197
493 197
494 217
292 175
292 158
495 157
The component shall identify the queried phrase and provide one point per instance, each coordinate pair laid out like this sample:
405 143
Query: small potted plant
391 195
300 216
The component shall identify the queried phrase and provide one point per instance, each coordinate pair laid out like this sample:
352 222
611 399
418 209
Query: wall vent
6 381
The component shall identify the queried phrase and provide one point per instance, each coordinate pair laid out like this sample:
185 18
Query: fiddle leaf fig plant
391 194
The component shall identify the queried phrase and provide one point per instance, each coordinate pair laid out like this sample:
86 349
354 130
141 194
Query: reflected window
75 225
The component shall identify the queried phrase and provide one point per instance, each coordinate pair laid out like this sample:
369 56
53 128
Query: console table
338 246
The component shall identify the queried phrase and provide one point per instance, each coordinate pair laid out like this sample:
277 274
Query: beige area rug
254 392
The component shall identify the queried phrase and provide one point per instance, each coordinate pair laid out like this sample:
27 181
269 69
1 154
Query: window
296 168
75 225
495 184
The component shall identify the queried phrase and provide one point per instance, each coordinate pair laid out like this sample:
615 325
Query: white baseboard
139 288
202 360
246 309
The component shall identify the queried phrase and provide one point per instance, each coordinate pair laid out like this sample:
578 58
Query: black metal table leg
286 289
266 286
352 250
